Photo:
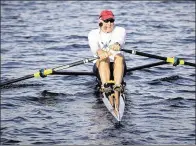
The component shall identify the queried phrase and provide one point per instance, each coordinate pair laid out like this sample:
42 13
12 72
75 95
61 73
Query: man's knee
103 63
119 57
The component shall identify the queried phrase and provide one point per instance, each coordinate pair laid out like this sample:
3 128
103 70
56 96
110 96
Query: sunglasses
109 20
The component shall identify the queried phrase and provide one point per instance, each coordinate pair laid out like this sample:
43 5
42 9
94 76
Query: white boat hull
111 109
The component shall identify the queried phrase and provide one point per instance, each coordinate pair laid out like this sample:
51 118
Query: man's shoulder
119 28
94 32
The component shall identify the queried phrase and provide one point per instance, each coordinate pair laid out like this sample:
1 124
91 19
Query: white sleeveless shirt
101 40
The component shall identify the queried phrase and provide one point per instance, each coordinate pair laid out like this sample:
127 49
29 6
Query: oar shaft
92 74
145 54
167 59
16 80
72 73
74 64
146 66
190 64
48 71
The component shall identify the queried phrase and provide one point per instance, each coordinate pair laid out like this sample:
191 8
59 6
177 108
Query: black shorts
96 71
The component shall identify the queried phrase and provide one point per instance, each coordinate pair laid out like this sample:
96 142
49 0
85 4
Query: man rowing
106 43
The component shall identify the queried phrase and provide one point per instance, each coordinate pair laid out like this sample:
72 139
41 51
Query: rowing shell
111 109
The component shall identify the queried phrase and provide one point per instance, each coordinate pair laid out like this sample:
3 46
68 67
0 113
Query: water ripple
160 101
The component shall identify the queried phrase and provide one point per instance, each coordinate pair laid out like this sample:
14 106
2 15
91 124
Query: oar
92 74
72 73
146 66
172 60
45 72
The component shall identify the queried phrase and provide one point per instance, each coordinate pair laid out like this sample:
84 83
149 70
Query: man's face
108 25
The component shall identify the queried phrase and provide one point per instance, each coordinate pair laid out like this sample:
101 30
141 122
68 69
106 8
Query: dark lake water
66 110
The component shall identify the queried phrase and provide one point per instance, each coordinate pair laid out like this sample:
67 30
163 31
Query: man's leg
104 69
118 69
118 77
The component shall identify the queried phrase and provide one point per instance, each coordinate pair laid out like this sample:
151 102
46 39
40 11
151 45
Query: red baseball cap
106 14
